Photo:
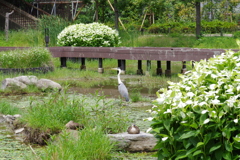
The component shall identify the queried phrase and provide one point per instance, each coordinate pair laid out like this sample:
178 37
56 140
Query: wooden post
83 67
184 67
168 70
148 67
63 61
7 23
139 71
100 64
159 68
122 65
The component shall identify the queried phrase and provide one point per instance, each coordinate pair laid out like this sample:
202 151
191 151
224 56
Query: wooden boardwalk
122 54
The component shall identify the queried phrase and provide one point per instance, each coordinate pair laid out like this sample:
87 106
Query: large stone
143 142
44 84
28 80
12 84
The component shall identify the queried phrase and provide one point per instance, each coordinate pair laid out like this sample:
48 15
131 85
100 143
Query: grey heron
121 87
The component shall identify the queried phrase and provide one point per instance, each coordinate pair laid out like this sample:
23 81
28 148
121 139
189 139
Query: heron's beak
114 68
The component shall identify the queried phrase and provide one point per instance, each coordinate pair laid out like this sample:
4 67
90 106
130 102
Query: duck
133 129
74 126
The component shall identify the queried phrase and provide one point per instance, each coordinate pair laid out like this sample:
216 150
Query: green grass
89 144
26 58
54 111
7 108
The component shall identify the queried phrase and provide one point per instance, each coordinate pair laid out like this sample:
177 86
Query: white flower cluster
88 35
210 85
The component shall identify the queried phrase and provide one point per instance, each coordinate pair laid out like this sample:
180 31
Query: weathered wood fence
122 54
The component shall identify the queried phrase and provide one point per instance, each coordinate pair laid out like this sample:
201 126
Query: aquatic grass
54 111
88 144
7 108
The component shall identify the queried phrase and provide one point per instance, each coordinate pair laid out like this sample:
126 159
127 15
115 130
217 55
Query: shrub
215 26
26 58
88 35
236 34
198 117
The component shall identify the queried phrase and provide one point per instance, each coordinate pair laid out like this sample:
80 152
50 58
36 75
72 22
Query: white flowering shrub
198 117
88 35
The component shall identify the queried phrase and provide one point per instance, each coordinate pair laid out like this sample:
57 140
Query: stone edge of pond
25 70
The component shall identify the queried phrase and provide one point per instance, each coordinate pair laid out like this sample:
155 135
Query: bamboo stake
143 21
78 12
7 23
118 17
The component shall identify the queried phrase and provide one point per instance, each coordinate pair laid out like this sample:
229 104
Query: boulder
12 84
44 84
143 142
28 80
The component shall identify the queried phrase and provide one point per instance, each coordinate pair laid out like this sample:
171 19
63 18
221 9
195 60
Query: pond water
12 148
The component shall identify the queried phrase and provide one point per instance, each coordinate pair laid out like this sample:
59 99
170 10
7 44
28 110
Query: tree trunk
96 12
116 14
198 20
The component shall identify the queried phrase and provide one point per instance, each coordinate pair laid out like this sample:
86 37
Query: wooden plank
133 53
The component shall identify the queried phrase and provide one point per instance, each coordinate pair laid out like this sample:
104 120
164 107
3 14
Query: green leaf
203 117
167 125
200 144
207 137
181 155
188 134
194 125
236 144
228 146
190 151
215 147
227 156
197 152
219 154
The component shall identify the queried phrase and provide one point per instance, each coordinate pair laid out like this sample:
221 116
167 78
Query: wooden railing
122 54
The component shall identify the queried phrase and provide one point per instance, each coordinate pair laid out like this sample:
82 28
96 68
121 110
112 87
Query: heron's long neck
119 80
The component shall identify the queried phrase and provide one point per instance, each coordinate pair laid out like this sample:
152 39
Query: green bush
218 26
88 35
215 26
236 34
26 58
198 117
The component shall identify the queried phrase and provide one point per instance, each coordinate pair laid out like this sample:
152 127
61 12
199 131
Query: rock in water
12 84
28 80
44 84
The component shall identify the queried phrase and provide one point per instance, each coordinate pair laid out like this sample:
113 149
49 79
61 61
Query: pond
13 148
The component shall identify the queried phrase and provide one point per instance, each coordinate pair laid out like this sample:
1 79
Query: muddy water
12 148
